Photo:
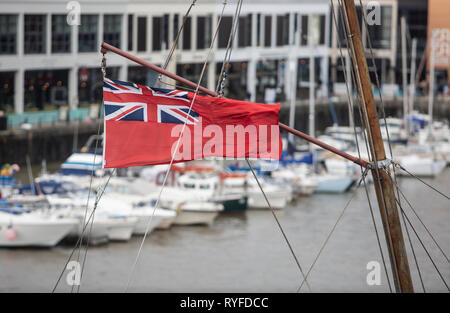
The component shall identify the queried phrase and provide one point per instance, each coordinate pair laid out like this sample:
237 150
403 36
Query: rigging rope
82 231
413 250
333 228
279 226
175 43
177 146
423 224
223 72
421 180
423 246
103 69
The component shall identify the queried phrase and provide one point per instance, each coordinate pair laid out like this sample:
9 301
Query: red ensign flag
143 126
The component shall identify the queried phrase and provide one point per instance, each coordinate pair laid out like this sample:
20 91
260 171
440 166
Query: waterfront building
46 64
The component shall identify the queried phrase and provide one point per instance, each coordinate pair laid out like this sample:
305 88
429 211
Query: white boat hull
29 233
421 166
195 218
256 200
334 184
142 223
166 223
117 229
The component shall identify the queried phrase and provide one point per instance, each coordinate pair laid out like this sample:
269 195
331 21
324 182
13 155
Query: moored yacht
19 228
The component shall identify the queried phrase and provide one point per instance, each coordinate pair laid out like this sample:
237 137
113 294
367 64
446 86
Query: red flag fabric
143 125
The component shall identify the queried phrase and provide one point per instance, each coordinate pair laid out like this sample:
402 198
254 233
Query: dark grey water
247 253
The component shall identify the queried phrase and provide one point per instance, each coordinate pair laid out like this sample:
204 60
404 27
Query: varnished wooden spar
384 189
107 47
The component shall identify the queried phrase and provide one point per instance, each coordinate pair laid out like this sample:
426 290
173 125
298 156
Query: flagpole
107 47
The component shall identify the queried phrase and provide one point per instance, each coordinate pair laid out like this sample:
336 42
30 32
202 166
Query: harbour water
247 252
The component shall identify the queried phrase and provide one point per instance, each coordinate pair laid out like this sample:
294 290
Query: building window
236 82
282 30
245 31
45 88
303 82
266 80
192 72
225 31
204 30
112 27
322 29
35 39
176 24
90 84
160 32
8 34
258 30
130 32
87 33
142 34
142 76
187 34
342 38
304 30
294 36
381 34
316 30
267 31
7 91
60 34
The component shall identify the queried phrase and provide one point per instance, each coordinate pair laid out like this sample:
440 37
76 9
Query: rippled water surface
247 252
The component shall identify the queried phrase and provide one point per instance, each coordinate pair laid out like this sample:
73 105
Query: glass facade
61 34
380 35
35 34
143 76
160 32
192 71
245 31
225 30
45 88
187 32
8 34
304 30
267 31
130 32
7 91
90 83
112 29
236 83
266 78
204 32
142 33
282 30
87 33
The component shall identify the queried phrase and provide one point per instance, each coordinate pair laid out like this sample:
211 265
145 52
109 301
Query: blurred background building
46 64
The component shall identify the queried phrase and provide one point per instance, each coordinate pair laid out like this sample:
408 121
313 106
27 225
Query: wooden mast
383 183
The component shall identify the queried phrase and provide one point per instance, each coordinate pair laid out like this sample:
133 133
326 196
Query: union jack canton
126 101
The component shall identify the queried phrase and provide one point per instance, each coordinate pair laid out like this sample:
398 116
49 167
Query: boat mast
412 85
431 88
404 75
312 100
383 182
